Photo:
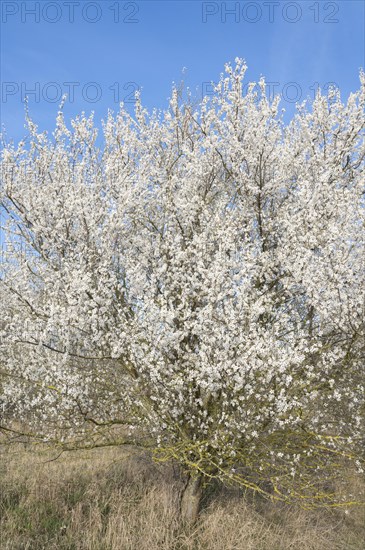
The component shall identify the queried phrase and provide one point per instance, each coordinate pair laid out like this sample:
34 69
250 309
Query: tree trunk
190 500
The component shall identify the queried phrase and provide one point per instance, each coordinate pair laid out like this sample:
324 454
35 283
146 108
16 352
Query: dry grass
107 500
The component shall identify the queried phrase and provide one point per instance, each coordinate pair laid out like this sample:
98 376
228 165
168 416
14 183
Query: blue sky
103 50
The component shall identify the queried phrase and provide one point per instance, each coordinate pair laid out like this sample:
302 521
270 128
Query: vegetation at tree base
110 499
193 286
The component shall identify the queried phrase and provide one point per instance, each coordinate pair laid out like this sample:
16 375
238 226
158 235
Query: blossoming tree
193 285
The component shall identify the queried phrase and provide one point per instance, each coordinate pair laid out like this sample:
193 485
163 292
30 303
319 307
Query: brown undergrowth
112 499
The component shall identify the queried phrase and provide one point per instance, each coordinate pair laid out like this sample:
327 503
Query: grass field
112 499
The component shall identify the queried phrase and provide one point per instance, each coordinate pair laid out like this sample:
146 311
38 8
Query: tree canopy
193 283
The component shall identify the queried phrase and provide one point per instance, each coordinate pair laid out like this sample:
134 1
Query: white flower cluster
199 278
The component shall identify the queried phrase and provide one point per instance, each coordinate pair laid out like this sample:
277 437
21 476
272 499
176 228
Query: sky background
99 52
